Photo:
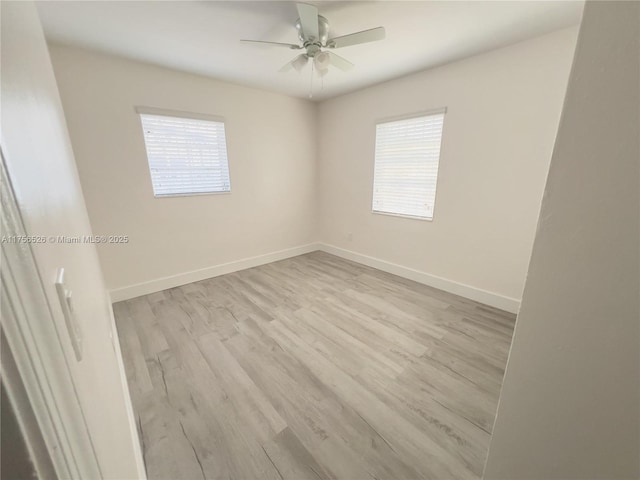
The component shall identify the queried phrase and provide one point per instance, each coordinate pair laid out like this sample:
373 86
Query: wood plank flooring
313 368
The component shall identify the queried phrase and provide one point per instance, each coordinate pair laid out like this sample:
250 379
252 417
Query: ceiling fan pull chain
311 83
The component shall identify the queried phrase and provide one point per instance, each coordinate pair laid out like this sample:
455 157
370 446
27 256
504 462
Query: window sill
170 195
410 217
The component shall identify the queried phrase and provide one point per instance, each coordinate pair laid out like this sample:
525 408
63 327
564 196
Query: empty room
341 240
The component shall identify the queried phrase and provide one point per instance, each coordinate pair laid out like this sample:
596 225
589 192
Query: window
406 165
187 156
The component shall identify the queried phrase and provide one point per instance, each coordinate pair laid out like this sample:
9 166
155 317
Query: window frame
144 110
397 118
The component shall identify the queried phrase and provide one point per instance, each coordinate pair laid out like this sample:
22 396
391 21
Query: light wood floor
313 368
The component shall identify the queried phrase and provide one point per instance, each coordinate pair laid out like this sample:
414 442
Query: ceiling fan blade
364 36
339 62
286 67
308 20
292 46
297 63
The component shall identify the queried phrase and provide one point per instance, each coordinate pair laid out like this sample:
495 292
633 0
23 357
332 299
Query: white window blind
406 165
186 156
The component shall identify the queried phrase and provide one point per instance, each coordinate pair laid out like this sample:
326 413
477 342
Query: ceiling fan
313 32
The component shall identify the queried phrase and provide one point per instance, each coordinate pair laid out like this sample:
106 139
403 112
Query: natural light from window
406 165
187 156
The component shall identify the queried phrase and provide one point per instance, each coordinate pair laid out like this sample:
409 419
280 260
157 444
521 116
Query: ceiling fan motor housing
323 31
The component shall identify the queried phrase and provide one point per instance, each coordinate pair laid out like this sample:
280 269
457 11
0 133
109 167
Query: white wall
302 172
271 150
570 403
36 148
503 112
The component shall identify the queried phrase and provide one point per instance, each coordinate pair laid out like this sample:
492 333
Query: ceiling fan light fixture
322 61
299 62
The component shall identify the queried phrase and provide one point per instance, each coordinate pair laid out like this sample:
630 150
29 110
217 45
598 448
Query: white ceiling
203 37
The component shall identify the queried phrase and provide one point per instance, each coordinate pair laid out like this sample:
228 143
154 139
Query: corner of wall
317 234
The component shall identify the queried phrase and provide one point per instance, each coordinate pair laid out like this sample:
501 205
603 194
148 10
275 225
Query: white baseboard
473 293
159 284
133 427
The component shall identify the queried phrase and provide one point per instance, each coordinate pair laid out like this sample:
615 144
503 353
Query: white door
81 393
